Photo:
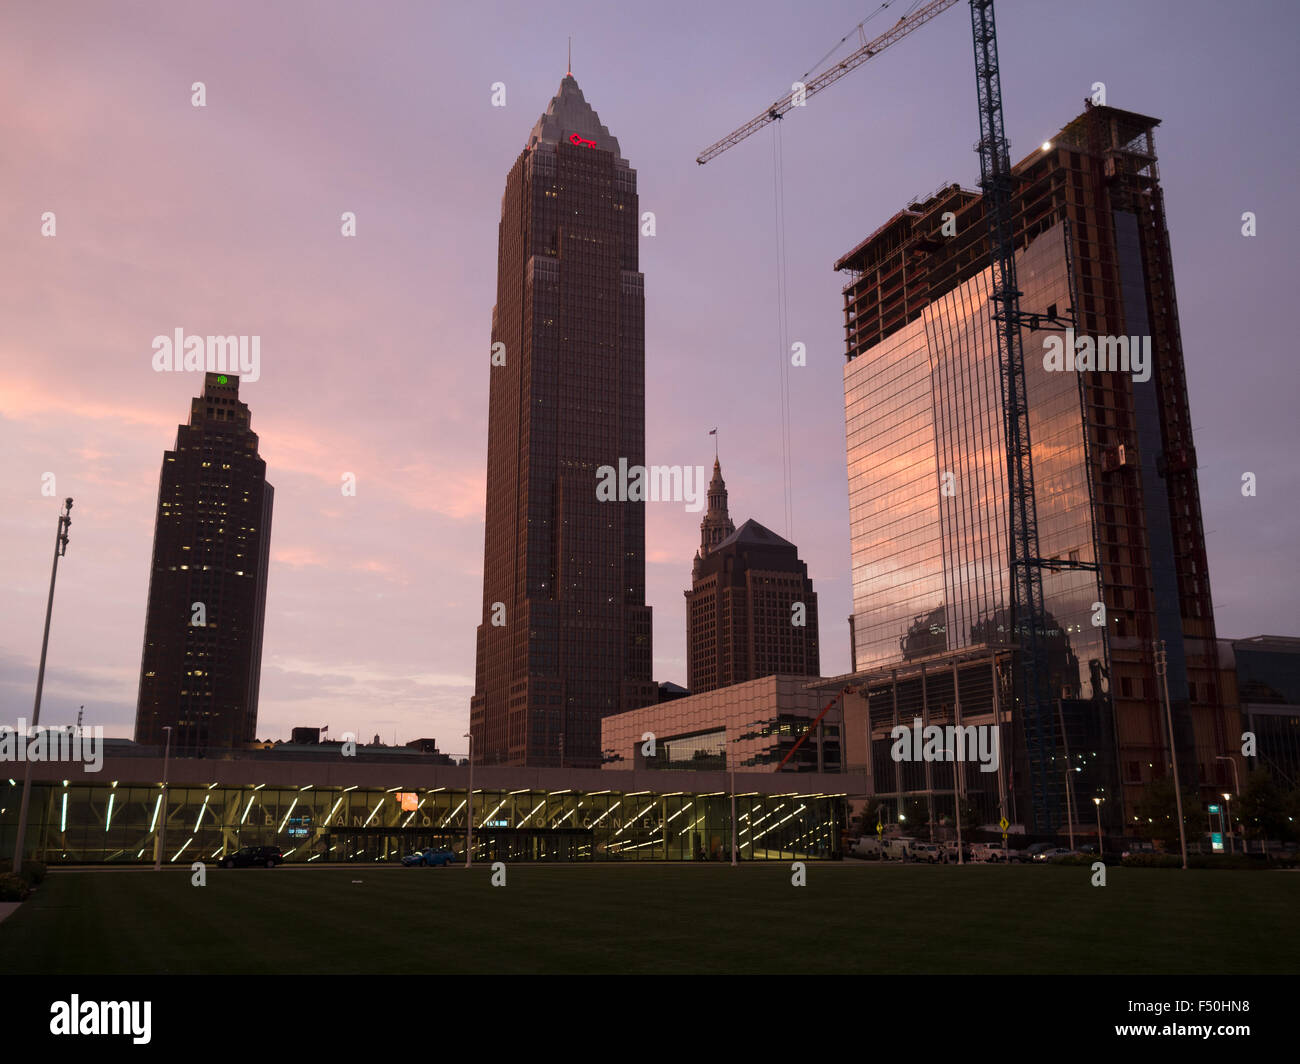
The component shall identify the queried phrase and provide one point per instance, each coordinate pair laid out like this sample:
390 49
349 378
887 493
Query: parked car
248 856
430 858
991 852
1030 853
925 851
1136 848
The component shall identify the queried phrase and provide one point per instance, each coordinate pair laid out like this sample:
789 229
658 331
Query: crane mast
1027 608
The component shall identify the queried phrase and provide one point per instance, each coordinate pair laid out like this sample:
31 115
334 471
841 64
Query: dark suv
246 856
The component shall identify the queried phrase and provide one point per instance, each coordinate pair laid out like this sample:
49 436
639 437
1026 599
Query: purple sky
375 349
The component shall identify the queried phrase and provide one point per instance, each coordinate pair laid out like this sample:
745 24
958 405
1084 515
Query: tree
1157 812
1266 810
970 821
871 816
917 812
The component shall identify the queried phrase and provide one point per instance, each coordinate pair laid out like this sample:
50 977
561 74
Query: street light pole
1162 670
60 548
733 817
1227 809
162 837
1100 846
1236 782
469 799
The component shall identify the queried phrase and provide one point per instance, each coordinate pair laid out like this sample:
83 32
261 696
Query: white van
899 847
868 846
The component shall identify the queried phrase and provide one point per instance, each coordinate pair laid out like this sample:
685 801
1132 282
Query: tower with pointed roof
717 524
564 637
751 610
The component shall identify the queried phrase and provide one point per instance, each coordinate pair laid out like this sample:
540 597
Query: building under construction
1118 507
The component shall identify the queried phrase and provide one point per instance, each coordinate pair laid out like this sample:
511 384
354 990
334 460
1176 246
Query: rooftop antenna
569 72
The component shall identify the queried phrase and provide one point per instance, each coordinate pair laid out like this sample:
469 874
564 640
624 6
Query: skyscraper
1117 500
202 660
751 610
564 637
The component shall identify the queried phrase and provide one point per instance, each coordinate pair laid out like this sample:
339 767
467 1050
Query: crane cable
783 321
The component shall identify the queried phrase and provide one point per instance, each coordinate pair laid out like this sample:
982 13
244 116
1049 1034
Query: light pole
1227 809
162 829
1236 782
60 548
1097 802
733 817
1162 670
469 798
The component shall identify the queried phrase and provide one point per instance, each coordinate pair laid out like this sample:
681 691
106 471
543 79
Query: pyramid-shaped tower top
570 116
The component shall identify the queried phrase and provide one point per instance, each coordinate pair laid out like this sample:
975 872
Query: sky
225 219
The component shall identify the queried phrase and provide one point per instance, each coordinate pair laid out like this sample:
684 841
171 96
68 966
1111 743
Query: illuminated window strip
287 815
414 811
679 812
332 812
449 815
607 812
689 826
530 815
493 813
639 815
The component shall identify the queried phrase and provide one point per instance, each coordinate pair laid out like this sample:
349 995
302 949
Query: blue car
429 858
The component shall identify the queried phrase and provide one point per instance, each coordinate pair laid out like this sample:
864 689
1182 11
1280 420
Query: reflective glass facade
928 503
746 727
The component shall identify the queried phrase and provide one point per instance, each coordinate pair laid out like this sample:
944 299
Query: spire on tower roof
571 118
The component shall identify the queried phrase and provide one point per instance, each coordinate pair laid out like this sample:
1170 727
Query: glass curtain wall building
928 505
1116 491
122 823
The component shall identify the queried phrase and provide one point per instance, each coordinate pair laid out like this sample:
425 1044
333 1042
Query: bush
1152 860
33 871
12 887
1194 860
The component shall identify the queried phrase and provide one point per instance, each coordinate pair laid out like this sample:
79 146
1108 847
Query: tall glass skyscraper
564 639
202 661
1115 476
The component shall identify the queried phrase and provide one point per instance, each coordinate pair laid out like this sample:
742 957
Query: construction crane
1025 565
798 95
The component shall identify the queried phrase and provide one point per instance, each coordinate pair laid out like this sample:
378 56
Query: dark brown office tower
741 621
1118 506
202 659
564 638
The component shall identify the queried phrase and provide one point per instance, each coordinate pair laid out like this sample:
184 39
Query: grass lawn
851 917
